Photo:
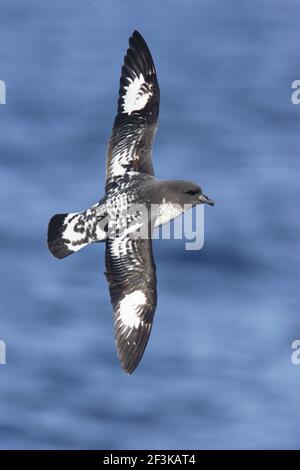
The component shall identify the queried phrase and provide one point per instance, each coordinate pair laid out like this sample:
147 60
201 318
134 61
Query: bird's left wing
136 121
131 273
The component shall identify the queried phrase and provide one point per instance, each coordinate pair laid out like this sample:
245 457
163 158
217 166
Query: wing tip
136 36
128 371
139 61
136 33
128 367
138 45
129 361
130 356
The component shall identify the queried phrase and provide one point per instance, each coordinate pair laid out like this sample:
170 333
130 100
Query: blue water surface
217 372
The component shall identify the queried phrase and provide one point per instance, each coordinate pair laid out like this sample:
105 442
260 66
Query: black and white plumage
138 106
134 202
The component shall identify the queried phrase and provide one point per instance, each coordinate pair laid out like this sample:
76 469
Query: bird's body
134 203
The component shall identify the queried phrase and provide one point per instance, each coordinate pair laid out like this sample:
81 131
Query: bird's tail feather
68 233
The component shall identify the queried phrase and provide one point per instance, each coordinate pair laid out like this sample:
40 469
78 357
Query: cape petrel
130 182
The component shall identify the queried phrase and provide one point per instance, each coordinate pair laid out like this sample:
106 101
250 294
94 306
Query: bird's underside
130 268
133 204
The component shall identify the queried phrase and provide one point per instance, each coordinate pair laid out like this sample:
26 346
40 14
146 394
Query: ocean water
217 372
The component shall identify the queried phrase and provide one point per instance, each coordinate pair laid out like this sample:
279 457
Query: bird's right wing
136 121
131 273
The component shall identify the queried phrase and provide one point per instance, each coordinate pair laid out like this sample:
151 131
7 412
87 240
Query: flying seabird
134 202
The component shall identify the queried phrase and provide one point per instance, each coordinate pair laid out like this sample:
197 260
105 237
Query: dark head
190 193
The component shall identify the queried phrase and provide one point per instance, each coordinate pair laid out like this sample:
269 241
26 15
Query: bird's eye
192 192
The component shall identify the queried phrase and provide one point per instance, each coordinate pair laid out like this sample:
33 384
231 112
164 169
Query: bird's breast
167 212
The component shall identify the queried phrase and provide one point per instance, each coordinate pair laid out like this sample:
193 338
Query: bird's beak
205 200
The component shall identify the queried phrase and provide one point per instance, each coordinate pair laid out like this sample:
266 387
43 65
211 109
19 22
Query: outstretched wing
138 106
131 273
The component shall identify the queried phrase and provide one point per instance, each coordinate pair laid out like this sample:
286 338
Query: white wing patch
138 93
129 308
121 160
119 247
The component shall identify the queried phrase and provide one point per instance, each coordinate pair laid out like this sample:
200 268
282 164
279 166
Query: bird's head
191 193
